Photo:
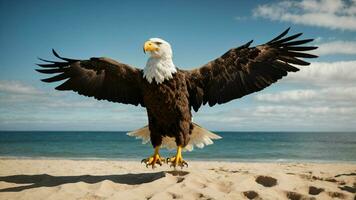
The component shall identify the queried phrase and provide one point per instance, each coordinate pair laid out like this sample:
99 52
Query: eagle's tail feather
199 138
142 133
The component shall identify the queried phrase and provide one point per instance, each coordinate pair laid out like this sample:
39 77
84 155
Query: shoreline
188 159
113 179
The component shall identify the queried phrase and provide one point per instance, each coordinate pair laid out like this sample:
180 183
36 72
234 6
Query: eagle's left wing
245 70
101 78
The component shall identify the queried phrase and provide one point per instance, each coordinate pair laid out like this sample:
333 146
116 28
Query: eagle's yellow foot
155 158
178 159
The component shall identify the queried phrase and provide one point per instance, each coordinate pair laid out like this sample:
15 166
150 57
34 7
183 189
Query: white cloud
15 87
318 39
336 47
25 107
341 73
16 94
287 96
284 117
322 97
241 18
318 96
330 96
333 14
294 111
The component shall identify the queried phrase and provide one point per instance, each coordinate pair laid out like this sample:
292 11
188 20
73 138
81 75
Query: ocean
234 146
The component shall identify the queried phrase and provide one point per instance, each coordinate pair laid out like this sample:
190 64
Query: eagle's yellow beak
149 46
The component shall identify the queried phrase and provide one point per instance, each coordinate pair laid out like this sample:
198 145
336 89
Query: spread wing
101 78
245 70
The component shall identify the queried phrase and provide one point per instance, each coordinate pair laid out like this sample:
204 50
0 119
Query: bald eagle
169 93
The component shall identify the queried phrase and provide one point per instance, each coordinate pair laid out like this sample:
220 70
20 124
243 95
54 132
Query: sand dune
96 180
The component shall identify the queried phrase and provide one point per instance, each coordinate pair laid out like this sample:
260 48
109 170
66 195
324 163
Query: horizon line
229 131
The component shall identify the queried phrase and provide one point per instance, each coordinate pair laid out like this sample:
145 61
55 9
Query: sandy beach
93 179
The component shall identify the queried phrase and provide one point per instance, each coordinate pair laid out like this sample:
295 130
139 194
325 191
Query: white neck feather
159 69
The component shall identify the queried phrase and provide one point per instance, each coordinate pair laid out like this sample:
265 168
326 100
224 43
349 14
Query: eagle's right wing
101 78
244 70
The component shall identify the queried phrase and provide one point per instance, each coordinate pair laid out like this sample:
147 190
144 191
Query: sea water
234 146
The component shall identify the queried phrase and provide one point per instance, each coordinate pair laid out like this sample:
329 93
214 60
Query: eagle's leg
155 158
178 159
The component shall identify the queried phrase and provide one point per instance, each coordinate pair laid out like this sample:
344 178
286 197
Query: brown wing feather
245 70
101 78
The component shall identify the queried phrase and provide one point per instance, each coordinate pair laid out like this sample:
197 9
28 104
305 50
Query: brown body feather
238 72
168 109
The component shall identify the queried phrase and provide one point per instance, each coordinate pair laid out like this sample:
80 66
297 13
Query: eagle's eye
158 43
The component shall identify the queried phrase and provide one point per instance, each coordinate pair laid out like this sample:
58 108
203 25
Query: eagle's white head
159 66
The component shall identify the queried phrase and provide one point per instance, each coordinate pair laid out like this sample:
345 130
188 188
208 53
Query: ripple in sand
200 196
315 191
348 189
297 196
251 194
176 196
266 181
91 197
337 195
180 179
177 173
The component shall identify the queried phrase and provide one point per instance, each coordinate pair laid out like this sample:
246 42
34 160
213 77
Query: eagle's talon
155 158
178 159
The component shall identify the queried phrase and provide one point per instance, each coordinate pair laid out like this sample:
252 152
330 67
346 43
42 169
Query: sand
96 180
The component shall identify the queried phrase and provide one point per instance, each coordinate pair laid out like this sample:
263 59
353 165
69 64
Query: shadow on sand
45 180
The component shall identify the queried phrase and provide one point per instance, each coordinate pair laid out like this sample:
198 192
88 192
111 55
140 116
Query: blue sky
320 97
